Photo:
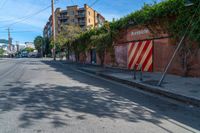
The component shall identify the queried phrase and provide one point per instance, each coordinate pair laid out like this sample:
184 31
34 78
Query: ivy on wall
172 16
169 16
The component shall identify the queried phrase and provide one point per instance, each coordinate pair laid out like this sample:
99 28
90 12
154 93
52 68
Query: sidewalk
176 87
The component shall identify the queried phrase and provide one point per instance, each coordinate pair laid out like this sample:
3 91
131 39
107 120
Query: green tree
1 52
83 43
66 38
47 46
29 49
103 41
39 43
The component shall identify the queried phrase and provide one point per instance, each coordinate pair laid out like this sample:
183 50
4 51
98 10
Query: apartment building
47 31
85 17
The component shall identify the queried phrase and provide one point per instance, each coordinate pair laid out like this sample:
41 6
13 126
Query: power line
26 17
29 16
18 31
3 4
72 2
94 3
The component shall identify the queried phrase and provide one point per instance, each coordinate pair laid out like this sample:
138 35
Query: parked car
24 54
33 55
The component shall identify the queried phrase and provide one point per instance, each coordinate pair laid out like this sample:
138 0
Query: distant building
85 17
3 41
29 45
9 49
21 47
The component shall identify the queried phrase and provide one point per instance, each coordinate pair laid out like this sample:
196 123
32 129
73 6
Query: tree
1 52
39 43
47 46
83 43
103 41
66 38
29 49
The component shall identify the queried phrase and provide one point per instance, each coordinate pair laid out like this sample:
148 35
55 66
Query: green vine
169 16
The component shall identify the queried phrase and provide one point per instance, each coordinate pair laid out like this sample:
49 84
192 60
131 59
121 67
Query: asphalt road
42 96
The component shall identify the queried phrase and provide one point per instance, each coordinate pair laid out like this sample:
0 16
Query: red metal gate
141 54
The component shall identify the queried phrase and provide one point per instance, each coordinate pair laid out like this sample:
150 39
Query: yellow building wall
90 17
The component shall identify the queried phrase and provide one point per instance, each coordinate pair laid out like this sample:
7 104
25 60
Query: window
88 20
89 13
72 13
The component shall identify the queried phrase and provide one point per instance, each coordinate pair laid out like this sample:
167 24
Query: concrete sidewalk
176 87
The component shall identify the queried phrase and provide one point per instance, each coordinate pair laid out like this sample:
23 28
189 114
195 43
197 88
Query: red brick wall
196 66
107 59
163 50
88 57
121 58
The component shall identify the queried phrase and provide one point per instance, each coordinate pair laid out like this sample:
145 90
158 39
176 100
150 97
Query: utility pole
17 46
9 40
53 30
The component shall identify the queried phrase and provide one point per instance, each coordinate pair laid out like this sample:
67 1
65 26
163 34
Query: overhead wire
94 3
28 13
72 2
19 31
28 16
3 4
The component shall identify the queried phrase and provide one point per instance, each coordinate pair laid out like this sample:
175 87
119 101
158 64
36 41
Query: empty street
43 96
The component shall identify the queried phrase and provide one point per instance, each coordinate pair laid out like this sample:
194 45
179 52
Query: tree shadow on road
56 103
42 102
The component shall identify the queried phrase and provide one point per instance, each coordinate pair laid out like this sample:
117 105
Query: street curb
149 88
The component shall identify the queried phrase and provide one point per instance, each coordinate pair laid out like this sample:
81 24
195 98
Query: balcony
81 9
81 15
63 17
81 22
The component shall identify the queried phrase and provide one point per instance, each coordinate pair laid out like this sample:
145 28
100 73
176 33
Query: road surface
42 96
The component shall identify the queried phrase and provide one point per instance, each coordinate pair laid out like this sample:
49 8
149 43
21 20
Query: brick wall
121 55
163 51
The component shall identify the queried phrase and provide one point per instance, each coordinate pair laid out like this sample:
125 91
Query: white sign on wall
140 32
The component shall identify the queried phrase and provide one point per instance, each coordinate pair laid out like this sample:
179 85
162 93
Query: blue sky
25 30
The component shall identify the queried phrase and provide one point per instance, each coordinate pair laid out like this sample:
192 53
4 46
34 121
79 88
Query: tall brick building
85 17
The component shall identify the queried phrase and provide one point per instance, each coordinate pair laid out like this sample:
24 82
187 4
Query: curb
149 88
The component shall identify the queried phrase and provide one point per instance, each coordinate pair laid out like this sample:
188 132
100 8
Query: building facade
8 48
138 48
85 17
30 45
